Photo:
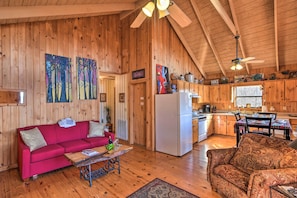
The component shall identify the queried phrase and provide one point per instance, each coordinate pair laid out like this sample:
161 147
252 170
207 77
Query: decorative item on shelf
196 80
189 77
257 77
214 82
272 76
173 76
293 74
201 81
224 80
181 77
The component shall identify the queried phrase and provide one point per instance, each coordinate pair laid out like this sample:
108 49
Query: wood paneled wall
22 67
155 42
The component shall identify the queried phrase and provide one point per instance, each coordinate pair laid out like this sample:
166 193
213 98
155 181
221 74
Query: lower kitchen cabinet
209 125
220 124
195 130
230 125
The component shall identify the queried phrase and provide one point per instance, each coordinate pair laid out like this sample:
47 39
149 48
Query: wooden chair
253 123
237 116
270 114
240 128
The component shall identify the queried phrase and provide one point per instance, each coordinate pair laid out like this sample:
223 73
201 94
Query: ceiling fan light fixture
148 9
163 4
163 13
236 67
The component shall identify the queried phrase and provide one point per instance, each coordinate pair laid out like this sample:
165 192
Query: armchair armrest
261 180
218 157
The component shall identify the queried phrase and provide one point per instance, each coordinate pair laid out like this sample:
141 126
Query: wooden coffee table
111 159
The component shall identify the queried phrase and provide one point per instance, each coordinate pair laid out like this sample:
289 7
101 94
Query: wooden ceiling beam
21 12
232 8
177 30
218 6
276 35
207 35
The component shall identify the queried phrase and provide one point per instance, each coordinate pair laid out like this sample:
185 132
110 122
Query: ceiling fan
165 8
236 62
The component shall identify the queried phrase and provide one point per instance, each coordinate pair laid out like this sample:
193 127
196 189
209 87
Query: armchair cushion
253 156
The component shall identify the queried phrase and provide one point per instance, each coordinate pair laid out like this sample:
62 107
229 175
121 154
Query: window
248 95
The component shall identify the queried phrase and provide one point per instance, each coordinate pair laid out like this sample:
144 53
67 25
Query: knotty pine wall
22 67
155 42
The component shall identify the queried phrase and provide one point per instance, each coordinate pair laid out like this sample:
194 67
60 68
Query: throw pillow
96 129
252 156
293 144
33 138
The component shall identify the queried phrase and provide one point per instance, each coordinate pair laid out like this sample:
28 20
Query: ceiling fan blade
178 15
255 61
247 59
138 20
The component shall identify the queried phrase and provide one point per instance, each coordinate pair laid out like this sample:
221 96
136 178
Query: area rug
161 189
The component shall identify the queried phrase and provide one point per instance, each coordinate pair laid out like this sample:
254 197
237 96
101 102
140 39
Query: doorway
139 113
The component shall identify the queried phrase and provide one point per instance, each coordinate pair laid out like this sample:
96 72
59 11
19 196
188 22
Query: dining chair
272 115
240 128
237 116
258 123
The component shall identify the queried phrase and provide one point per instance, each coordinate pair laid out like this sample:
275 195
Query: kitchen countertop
281 115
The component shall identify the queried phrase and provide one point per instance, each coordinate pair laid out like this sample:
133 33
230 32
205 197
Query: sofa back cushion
84 128
252 155
68 134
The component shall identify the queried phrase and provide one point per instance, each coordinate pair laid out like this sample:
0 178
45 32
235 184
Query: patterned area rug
161 189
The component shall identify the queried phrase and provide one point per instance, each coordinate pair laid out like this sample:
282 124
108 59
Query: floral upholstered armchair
250 170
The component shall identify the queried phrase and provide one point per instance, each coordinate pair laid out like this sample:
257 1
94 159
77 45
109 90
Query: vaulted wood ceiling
267 28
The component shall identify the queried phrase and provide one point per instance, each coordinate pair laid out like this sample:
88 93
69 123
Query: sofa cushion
253 156
47 152
33 138
233 175
97 141
68 134
49 133
75 145
96 129
84 128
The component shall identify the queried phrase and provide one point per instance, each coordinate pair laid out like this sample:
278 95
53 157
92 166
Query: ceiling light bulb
148 9
238 66
163 4
163 13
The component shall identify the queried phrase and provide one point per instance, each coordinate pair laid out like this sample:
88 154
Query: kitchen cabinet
195 130
209 125
224 93
214 90
230 125
182 86
291 90
220 124
273 91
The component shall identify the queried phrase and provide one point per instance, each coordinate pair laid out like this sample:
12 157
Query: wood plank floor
138 167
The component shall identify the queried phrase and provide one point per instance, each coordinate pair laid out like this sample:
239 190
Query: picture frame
121 97
138 74
102 97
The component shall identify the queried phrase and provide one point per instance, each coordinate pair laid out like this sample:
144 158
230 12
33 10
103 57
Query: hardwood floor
138 167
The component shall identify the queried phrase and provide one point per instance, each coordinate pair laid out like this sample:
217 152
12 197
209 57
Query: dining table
277 124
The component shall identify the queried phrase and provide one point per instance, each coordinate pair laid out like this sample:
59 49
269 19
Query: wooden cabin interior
197 37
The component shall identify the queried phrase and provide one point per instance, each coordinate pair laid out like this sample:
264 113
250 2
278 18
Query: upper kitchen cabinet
290 90
203 91
220 93
274 91
182 86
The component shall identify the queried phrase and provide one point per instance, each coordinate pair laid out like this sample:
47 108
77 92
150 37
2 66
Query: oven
202 128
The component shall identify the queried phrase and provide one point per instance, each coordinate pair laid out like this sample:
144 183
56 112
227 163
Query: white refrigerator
173 114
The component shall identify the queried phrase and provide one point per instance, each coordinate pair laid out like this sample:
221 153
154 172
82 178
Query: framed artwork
58 78
121 97
102 97
138 74
162 79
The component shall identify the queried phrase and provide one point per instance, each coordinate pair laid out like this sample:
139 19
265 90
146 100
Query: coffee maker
206 108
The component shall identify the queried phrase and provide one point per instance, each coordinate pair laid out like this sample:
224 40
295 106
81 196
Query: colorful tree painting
86 78
58 78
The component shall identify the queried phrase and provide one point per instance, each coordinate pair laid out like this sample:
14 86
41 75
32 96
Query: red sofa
59 141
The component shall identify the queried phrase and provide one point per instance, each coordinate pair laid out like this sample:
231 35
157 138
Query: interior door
139 112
